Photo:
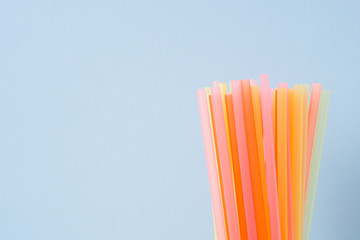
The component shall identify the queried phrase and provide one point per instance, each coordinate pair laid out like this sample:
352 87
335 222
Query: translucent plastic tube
296 101
263 149
225 167
312 116
258 196
243 158
219 222
315 161
282 161
255 94
236 168
290 206
269 156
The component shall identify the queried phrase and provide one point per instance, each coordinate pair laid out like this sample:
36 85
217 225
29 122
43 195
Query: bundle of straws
263 149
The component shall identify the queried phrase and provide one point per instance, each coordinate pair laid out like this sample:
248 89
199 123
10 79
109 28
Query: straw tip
252 82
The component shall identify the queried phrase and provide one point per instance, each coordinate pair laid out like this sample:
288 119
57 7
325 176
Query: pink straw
228 186
211 165
269 156
243 158
215 83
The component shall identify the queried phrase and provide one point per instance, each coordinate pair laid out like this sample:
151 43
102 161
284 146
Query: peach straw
223 90
269 156
226 173
296 134
313 111
306 114
211 165
212 124
293 164
305 129
273 115
281 137
218 165
273 112
259 141
243 158
302 156
315 160
290 207
236 168
223 93
258 196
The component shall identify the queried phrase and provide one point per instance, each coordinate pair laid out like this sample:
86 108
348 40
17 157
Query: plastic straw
269 156
212 124
313 112
226 172
236 168
223 90
273 114
263 151
281 137
315 160
258 196
211 165
259 141
296 133
303 163
223 93
290 206
218 165
243 157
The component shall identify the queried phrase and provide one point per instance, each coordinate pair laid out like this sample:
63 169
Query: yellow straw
281 149
296 102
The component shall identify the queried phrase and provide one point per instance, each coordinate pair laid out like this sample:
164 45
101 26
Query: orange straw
236 167
243 158
290 206
226 172
259 140
254 160
296 133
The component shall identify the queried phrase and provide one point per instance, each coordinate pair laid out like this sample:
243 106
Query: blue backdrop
100 134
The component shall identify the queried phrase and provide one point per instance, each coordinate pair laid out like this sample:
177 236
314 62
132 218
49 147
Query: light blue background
100 134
